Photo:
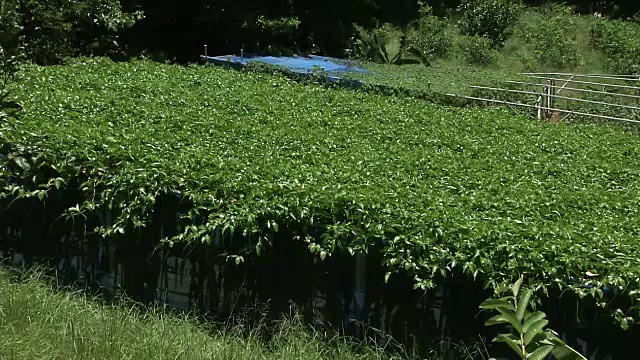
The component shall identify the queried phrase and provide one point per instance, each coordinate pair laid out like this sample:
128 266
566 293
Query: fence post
552 91
549 97
539 102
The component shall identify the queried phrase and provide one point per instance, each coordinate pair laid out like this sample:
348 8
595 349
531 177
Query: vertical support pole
206 50
359 289
552 91
540 101
163 279
547 102
539 105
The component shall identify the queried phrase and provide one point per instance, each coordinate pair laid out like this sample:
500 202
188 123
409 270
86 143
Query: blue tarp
301 64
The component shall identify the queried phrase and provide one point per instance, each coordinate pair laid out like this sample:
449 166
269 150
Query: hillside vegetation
542 39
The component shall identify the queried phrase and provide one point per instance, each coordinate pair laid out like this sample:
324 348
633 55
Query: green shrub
372 44
10 20
420 41
620 41
9 57
477 50
529 337
369 42
552 37
54 29
278 34
430 35
493 19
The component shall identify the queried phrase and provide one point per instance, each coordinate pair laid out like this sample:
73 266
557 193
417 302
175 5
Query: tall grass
40 322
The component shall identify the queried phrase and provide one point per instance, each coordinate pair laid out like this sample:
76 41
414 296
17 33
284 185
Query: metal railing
620 93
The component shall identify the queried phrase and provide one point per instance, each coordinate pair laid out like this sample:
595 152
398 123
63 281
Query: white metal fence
570 94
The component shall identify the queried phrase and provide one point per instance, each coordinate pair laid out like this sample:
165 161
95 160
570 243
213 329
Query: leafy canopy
441 189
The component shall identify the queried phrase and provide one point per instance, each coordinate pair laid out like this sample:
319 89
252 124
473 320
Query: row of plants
441 190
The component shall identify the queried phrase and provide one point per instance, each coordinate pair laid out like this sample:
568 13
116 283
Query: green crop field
443 190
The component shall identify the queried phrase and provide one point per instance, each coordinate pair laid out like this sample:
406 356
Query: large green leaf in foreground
443 188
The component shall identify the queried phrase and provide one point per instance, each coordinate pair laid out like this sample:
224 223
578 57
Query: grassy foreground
38 322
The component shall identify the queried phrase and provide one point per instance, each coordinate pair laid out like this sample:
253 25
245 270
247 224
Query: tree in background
50 30
10 54
493 19
53 29
181 29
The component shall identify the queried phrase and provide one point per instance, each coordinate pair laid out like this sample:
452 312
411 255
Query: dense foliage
620 41
552 37
48 31
422 41
181 28
54 29
477 50
493 19
430 35
10 55
441 190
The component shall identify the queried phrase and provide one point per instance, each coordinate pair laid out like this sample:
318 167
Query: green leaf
564 352
534 329
497 304
515 288
626 322
510 340
523 302
532 318
510 316
22 163
502 289
496 320
540 353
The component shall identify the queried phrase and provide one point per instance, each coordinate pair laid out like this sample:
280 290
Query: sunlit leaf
540 353
523 303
